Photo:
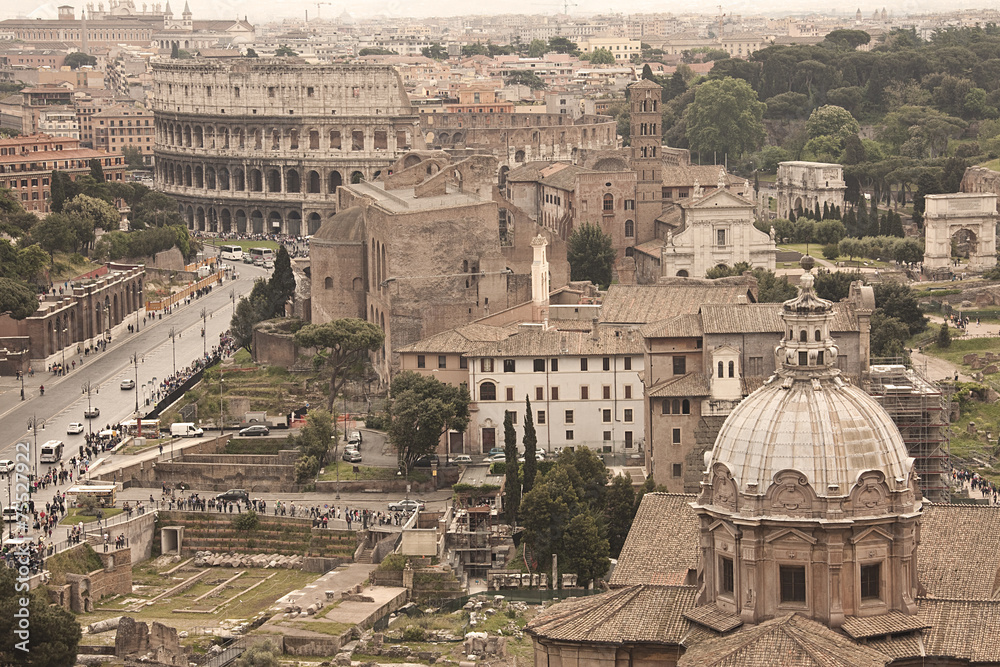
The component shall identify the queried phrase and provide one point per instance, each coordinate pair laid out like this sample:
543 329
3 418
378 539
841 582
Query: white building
59 124
584 387
716 228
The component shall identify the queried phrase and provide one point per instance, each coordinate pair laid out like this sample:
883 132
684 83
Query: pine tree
530 441
944 337
96 170
512 486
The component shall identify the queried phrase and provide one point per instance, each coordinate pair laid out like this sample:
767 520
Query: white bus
52 452
232 252
260 255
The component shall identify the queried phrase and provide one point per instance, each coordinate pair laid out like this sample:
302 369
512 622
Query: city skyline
261 11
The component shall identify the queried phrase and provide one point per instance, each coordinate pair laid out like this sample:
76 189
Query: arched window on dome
818 336
487 391
720 369
802 336
686 407
732 369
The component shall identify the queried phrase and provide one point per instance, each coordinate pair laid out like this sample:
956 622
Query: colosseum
516 138
261 145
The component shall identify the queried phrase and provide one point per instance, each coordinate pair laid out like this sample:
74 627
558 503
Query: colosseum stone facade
261 145
516 138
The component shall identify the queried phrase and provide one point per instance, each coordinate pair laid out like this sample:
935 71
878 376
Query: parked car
268 263
352 456
497 458
256 429
233 495
90 413
462 459
74 428
9 514
354 438
6 466
406 505
127 384
426 461
247 259
495 451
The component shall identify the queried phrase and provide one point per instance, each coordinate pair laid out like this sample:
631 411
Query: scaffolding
920 411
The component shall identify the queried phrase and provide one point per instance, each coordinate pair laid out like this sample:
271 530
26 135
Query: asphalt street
65 396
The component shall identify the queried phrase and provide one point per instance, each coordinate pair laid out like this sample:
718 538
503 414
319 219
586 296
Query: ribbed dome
808 419
828 430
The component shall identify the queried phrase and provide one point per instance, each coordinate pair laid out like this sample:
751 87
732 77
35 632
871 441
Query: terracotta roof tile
894 622
554 343
964 629
960 552
687 325
646 614
640 304
719 318
662 544
460 339
788 641
712 617
692 384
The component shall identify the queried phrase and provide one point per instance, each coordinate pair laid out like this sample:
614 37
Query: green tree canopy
79 59
54 633
619 512
725 117
563 45
421 410
435 51
284 51
591 254
343 347
525 78
602 57
17 299
584 549
832 121
530 441
313 443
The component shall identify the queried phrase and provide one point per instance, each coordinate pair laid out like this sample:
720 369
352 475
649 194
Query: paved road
64 401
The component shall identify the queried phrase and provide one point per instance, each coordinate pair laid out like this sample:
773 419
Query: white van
185 430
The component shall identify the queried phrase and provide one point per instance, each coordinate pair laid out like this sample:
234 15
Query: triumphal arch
968 219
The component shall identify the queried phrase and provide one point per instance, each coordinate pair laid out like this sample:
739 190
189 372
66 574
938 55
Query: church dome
347 226
808 439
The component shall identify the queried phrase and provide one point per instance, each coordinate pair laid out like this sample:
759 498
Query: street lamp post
63 337
135 359
89 388
22 385
34 423
232 297
204 331
222 405
173 333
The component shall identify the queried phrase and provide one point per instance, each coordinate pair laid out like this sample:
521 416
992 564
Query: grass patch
245 244
961 347
78 560
74 516
365 472
323 627
254 446
992 164
70 265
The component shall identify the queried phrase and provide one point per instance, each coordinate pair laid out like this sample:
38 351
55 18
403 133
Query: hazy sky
267 10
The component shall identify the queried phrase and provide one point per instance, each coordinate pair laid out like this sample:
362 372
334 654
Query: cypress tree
512 486
58 192
96 170
530 441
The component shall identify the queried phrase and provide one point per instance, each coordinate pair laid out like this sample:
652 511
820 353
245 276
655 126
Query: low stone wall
261 478
81 590
142 474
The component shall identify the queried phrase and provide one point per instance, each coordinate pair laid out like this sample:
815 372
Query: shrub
944 336
246 522
414 633
831 251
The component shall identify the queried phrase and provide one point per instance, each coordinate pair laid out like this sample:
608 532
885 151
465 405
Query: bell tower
646 133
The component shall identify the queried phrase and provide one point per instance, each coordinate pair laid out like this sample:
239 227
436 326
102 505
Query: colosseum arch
444 138
458 138
190 217
241 137
357 177
275 139
335 181
200 218
213 220
170 134
258 142
273 180
223 178
239 182
257 222
210 136
293 139
210 178
410 160
227 221
313 224
313 139
292 181
335 140
187 175
199 177
256 181
312 182
294 226
274 222
224 137
187 136
241 221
